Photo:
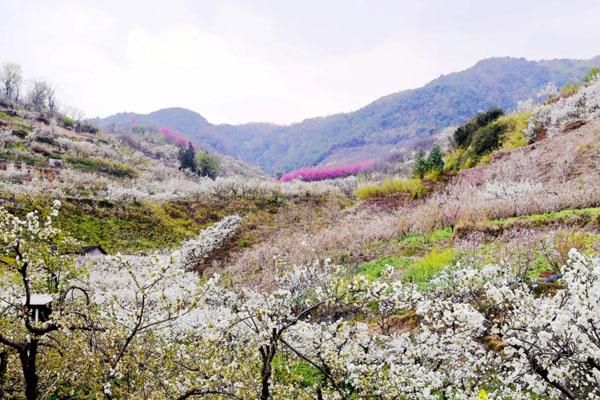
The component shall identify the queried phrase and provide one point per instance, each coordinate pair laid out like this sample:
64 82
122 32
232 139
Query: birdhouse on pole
40 307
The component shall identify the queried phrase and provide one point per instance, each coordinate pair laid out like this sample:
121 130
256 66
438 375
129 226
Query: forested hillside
402 120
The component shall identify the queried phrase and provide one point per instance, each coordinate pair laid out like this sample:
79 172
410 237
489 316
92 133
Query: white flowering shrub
553 342
507 190
548 91
196 251
158 182
525 105
143 327
551 118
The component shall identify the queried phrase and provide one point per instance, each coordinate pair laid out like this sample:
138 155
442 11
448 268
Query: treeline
38 95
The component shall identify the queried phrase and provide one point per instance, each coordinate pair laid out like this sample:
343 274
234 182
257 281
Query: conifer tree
420 165
186 158
435 161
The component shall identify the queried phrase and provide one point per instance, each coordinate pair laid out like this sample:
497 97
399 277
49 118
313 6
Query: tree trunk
3 370
267 354
28 364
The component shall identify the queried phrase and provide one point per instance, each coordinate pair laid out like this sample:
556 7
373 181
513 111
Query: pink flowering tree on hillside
321 173
173 136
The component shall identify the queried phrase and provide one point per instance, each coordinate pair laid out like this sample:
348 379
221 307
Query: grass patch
5 117
417 242
410 244
134 226
21 158
412 269
310 375
551 217
440 234
373 269
425 268
18 147
109 167
127 227
392 186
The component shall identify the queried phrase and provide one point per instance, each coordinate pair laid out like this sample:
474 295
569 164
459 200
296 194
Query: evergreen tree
420 165
186 157
435 161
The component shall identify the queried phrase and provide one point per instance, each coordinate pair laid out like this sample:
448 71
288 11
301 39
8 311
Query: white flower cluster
476 333
479 332
159 182
122 276
507 190
551 118
196 251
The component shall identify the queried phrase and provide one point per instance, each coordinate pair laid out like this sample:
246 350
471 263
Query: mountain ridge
395 121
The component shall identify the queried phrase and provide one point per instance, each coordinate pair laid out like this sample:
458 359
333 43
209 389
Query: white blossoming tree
549 119
144 327
35 272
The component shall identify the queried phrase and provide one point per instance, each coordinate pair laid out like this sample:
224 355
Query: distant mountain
389 123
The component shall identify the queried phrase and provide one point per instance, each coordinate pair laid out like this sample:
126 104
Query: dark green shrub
86 127
486 139
420 165
464 134
433 163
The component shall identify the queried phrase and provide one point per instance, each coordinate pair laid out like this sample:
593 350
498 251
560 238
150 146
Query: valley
158 257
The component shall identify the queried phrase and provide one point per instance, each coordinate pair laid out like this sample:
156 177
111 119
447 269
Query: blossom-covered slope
478 280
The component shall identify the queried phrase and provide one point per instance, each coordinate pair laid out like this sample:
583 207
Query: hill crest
395 122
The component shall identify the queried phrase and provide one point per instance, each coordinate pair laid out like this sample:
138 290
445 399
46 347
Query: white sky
277 61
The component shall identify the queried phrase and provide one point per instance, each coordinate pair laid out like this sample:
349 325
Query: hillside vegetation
402 120
474 276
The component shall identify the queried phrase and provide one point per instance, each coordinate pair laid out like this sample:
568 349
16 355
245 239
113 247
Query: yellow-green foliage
453 159
570 89
514 126
392 186
512 137
486 159
109 167
373 269
559 217
425 268
434 175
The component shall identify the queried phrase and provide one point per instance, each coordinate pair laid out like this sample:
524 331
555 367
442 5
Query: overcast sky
280 60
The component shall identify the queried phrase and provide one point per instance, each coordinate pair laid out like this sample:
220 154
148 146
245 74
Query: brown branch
206 392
